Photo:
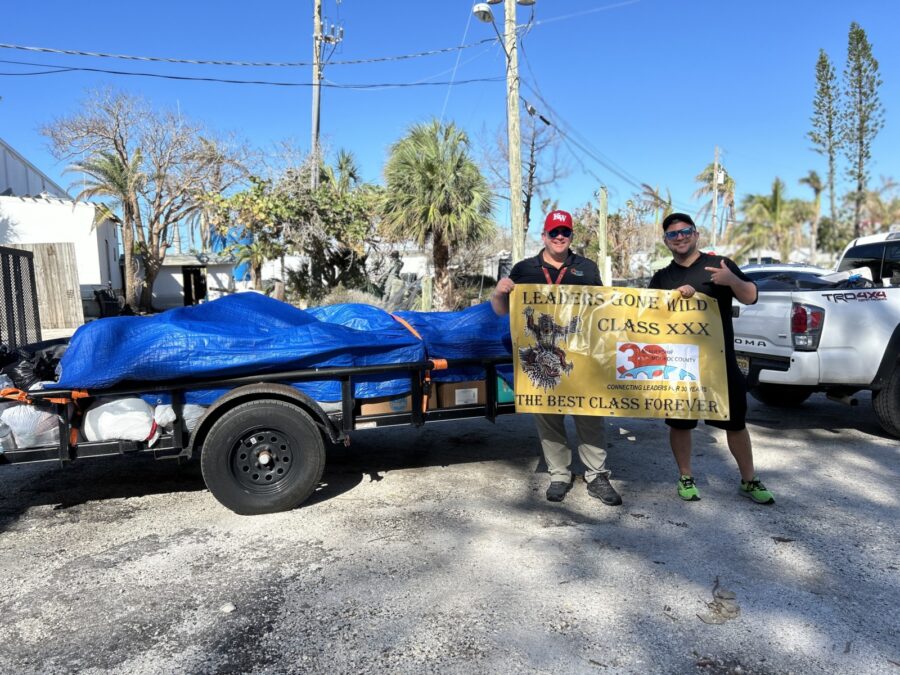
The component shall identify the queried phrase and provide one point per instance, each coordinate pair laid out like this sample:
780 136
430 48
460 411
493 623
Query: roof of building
21 178
188 259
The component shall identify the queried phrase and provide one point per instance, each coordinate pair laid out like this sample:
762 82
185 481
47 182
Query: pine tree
862 117
825 120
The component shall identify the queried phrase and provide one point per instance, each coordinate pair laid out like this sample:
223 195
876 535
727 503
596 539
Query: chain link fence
20 322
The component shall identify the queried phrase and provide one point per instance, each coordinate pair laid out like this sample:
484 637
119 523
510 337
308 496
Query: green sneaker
687 490
756 491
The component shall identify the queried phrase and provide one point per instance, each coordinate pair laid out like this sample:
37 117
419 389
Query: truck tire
887 404
263 456
780 395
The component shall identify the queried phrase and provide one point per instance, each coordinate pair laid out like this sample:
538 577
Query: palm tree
769 218
882 205
725 191
256 253
344 175
110 176
661 205
434 191
815 184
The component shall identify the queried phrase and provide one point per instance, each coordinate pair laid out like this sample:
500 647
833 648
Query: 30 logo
639 361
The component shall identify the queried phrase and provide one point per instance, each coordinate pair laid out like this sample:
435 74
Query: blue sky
653 85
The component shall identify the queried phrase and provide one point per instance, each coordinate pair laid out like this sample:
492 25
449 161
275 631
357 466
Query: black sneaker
603 490
557 490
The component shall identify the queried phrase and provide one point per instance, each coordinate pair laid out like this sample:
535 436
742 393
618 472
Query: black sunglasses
560 232
678 234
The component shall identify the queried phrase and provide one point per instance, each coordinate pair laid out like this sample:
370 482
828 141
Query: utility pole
316 92
602 243
516 209
715 198
320 39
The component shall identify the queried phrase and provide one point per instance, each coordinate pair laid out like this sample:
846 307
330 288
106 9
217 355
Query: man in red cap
557 264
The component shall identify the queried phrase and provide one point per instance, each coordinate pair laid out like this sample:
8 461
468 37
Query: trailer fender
249 392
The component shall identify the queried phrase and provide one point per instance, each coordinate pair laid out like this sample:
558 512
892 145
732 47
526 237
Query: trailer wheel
887 404
263 456
780 395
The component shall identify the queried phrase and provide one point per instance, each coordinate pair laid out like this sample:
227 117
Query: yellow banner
624 352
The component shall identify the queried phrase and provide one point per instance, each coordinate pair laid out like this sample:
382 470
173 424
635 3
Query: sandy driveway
434 550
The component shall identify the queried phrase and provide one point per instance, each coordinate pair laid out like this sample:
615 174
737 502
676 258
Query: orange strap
439 364
406 325
23 397
15 395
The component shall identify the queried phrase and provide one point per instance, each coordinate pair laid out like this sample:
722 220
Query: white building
48 220
35 211
186 279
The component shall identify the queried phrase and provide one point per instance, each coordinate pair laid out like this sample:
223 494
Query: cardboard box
451 394
385 405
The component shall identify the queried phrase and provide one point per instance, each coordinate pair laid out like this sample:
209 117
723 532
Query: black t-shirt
674 276
579 271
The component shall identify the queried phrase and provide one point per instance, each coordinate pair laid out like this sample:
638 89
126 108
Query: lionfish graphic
650 362
545 362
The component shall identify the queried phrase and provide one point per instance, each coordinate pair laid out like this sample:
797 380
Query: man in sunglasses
692 271
557 264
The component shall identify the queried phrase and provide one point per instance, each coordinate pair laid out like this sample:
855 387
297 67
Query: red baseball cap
556 219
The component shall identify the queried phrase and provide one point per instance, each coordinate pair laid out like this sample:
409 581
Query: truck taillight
806 326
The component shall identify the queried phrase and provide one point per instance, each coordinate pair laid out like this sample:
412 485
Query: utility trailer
261 445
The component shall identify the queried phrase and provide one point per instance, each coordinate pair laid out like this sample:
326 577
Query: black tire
263 456
780 395
887 405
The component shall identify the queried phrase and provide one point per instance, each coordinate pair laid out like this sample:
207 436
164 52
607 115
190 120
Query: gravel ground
434 550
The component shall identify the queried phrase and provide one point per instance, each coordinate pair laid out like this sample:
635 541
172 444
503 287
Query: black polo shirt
579 271
674 276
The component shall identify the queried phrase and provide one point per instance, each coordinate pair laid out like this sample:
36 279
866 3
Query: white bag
165 415
31 426
126 419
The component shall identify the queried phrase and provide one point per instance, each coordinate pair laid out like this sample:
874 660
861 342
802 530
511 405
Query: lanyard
559 277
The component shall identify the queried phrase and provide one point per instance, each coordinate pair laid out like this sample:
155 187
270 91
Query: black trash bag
7 355
36 362
21 373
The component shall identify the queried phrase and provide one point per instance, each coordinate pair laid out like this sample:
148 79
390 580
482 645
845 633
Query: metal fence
20 321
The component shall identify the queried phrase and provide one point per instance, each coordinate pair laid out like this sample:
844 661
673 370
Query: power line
606 162
36 72
456 66
250 64
431 77
585 12
572 138
334 85
299 64
567 130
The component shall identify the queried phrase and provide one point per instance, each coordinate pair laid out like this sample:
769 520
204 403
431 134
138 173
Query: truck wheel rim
262 461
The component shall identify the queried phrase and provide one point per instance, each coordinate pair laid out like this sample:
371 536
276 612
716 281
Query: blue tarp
249 333
472 332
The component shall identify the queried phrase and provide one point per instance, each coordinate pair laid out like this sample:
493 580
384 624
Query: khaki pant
591 434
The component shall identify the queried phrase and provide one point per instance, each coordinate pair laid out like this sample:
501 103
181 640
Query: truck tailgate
765 328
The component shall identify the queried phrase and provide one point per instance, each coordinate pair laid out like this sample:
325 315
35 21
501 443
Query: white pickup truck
812 334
